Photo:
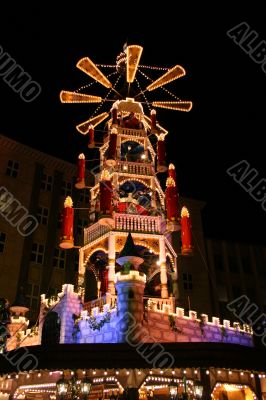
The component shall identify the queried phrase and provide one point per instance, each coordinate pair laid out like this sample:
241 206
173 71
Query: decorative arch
96 272
123 180
51 329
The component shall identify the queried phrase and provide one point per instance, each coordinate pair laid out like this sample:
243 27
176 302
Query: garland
92 321
172 324
94 325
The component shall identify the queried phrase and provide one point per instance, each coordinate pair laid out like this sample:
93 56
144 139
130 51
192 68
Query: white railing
135 168
100 302
137 223
132 132
135 133
155 304
94 232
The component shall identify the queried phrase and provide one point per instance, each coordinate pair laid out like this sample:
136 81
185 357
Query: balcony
137 223
134 133
94 232
135 168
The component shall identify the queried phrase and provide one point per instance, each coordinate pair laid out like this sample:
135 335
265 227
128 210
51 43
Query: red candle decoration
80 184
172 172
153 120
114 115
111 152
186 233
161 154
106 191
66 239
91 144
171 198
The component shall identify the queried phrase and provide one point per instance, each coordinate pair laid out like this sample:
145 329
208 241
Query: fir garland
94 325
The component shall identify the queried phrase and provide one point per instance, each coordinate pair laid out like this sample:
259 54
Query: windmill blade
174 73
87 66
84 126
133 56
72 97
174 105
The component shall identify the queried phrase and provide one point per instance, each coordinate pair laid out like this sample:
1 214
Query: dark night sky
227 88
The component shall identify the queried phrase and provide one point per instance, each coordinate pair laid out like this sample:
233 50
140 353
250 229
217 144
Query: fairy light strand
161 87
108 93
143 94
91 83
154 67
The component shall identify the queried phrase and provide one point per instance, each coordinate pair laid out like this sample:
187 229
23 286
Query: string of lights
161 87
106 97
143 94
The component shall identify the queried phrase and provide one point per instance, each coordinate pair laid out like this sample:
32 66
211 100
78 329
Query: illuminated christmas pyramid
128 274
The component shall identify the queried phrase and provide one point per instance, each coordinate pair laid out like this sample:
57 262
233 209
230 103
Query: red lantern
171 198
186 233
91 144
153 120
80 184
114 115
66 239
111 152
161 154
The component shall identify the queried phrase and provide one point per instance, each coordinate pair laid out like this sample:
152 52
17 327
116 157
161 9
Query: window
59 259
246 264
66 189
218 261
52 292
37 253
2 241
12 168
232 263
47 182
84 196
32 297
232 257
218 255
187 281
42 215
82 223
260 262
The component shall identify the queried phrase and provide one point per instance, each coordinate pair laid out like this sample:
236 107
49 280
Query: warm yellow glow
171 166
68 202
72 97
161 137
174 73
114 131
153 112
170 181
85 126
105 175
174 105
82 156
87 66
184 212
133 56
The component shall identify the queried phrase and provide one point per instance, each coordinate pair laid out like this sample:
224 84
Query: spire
129 248
130 253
